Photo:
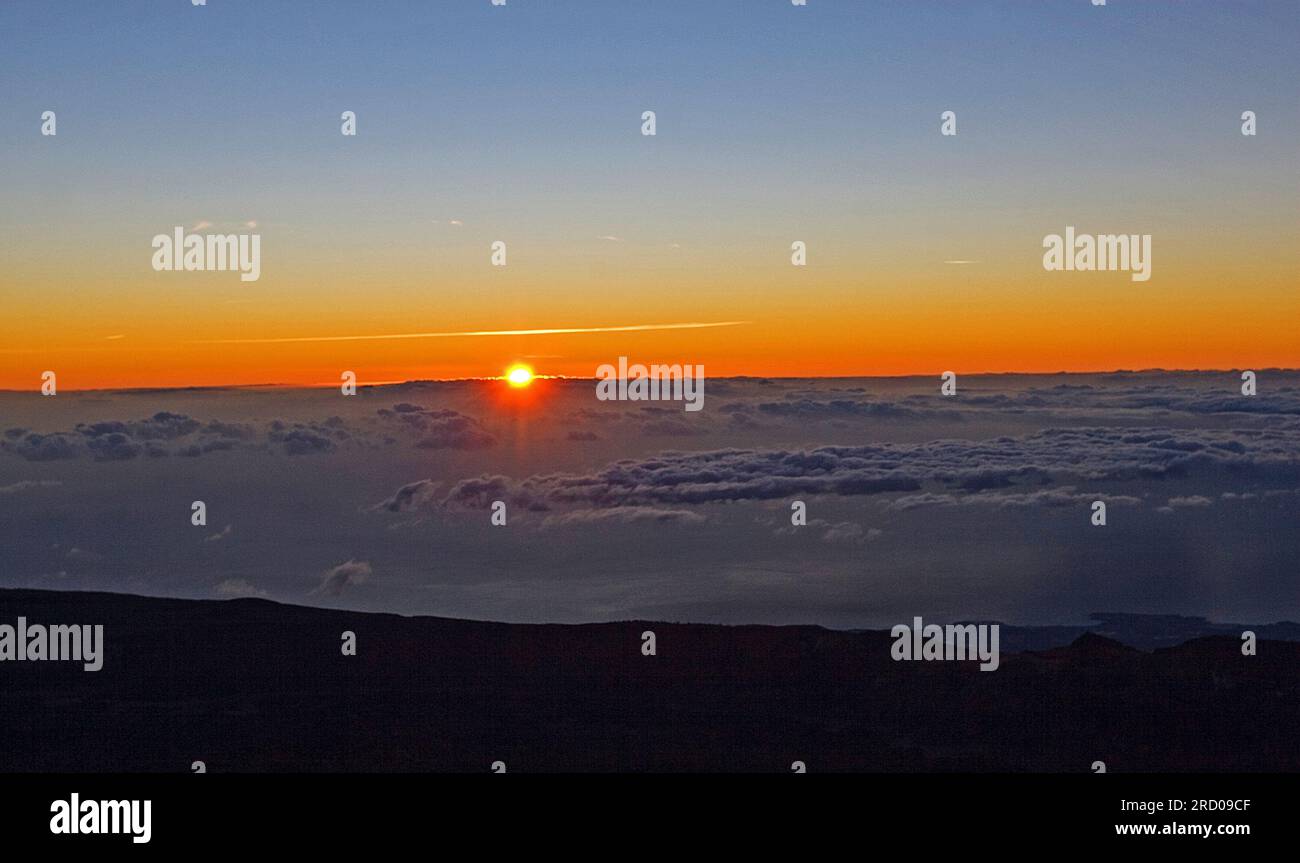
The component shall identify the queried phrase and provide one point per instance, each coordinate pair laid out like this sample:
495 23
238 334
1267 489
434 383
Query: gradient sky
522 123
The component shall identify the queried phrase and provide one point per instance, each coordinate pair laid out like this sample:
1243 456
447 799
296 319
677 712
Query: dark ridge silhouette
1143 631
252 685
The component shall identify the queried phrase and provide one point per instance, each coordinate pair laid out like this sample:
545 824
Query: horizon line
1094 618
273 385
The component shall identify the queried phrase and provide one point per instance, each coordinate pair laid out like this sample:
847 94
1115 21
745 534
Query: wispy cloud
344 576
552 331
24 485
237 588
217 537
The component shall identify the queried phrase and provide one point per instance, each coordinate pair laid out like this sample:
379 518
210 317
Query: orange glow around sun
519 375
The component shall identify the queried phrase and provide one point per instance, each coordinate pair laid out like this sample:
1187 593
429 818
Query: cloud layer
968 506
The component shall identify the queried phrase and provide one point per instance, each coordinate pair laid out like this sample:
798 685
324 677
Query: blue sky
797 95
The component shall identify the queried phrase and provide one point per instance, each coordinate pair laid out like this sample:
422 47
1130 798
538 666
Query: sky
523 124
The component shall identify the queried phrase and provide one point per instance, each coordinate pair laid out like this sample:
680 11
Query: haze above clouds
975 506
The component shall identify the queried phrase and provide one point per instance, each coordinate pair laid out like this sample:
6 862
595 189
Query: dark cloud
113 446
167 433
160 426
44 447
1053 456
1126 393
481 492
1057 497
300 439
457 433
623 515
439 428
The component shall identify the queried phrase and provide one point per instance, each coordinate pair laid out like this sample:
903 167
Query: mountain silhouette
253 685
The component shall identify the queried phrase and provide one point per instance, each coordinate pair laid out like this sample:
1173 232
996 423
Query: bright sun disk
519 376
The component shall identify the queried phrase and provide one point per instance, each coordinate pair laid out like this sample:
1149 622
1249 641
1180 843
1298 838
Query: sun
519 375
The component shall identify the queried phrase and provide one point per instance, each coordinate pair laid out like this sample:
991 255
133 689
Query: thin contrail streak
472 333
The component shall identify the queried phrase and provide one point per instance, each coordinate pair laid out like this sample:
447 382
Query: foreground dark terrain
251 685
